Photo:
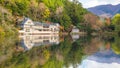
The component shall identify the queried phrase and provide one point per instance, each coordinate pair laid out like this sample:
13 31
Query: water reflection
102 56
75 37
63 52
102 59
29 41
7 48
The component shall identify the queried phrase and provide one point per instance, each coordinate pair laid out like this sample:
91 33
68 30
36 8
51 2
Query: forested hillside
65 12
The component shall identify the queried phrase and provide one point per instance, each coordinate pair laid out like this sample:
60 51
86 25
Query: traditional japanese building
38 28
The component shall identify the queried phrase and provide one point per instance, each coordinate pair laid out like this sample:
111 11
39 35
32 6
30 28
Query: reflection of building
75 37
28 41
35 28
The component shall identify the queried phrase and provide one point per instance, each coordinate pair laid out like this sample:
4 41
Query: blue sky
92 3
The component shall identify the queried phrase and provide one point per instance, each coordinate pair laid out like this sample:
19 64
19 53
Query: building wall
75 30
41 29
29 27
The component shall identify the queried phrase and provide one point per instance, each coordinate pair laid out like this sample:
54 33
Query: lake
54 51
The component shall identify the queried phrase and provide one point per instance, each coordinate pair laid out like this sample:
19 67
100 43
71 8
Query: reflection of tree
66 54
116 45
74 56
56 56
6 48
93 46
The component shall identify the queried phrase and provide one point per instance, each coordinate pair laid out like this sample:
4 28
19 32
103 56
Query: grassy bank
7 30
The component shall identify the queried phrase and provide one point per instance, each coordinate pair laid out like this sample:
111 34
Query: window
45 41
45 26
54 29
40 29
45 29
27 30
29 22
51 29
40 37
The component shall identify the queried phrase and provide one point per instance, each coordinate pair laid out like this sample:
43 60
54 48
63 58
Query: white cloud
94 3
91 3
93 64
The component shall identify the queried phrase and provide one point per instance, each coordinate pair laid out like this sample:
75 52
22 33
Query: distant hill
105 10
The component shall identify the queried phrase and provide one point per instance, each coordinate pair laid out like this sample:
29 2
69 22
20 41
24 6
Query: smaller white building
75 30
38 28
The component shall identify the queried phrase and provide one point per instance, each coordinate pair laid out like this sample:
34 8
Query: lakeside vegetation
64 12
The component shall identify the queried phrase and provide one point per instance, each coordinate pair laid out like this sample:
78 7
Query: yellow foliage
61 27
46 54
2 33
33 3
1 29
46 13
42 11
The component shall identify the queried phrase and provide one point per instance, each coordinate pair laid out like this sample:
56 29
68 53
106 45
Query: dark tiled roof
38 23
25 19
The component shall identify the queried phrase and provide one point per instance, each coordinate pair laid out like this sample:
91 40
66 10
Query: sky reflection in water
104 59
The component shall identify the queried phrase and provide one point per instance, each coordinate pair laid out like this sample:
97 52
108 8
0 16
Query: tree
116 22
66 22
116 45
43 12
2 33
75 11
92 20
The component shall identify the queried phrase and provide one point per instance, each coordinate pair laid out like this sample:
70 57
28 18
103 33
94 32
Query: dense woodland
65 12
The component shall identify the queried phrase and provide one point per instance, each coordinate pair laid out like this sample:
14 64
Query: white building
75 30
38 28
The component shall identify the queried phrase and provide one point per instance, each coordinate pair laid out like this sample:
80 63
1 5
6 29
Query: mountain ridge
108 9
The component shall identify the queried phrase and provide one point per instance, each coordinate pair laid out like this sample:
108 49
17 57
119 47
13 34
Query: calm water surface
54 51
